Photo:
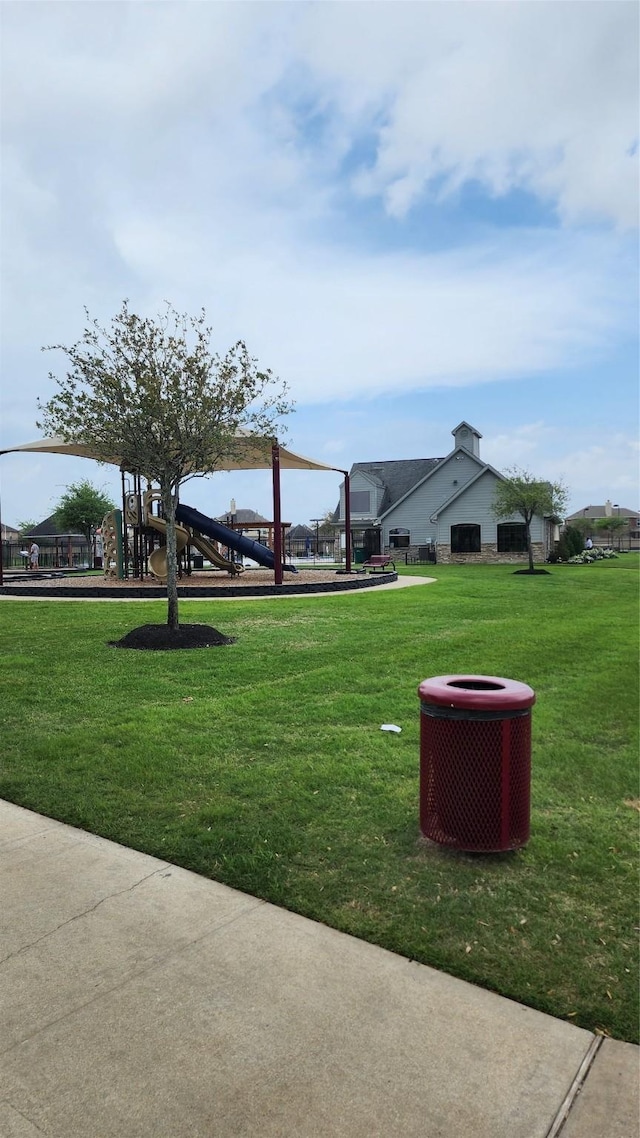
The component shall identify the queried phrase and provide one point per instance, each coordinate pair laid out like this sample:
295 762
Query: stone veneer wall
489 555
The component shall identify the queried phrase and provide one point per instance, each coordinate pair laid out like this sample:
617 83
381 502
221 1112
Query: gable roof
464 423
398 476
596 512
300 531
438 463
246 517
486 468
48 528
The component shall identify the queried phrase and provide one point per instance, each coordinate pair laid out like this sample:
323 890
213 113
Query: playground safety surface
253 582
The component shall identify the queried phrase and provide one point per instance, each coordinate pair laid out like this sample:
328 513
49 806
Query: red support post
347 522
277 526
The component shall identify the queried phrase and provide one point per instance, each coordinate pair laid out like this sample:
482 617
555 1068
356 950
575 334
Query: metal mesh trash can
475 762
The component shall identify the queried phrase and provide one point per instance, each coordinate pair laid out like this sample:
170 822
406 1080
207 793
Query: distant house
58 549
302 541
623 538
437 508
11 546
301 533
251 524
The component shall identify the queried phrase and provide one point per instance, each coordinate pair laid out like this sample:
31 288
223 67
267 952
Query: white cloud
220 154
520 446
609 465
535 96
340 324
604 466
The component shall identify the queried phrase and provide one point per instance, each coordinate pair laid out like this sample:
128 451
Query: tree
571 541
612 525
520 493
152 393
82 508
324 524
26 527
584 526
323 530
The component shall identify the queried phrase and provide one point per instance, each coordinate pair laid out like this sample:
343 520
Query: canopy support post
347 521
277 526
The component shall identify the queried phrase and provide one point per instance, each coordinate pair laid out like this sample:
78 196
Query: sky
414 213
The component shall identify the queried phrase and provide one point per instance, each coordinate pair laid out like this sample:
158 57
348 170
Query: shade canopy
249 453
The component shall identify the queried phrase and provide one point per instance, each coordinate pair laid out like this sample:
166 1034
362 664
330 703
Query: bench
379 561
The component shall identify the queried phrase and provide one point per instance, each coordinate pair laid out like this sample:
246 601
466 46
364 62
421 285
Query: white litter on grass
391 727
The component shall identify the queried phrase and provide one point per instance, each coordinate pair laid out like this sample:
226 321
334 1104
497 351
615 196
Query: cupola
467 437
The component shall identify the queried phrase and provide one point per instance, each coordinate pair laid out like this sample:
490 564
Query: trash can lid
478 693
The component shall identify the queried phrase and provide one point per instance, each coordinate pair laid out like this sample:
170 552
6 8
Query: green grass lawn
262 764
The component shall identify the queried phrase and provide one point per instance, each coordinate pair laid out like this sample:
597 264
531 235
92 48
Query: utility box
475 762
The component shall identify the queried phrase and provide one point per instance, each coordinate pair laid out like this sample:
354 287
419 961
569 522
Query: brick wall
489 556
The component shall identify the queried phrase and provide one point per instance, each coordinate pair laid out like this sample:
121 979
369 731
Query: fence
53 555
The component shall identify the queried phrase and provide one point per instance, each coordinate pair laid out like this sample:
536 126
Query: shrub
571 543
587 556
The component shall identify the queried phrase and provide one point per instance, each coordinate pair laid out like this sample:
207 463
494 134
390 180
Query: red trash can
475 762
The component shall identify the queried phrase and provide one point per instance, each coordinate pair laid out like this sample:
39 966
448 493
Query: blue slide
200 523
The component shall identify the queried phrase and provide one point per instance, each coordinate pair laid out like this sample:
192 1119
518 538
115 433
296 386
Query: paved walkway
142 1001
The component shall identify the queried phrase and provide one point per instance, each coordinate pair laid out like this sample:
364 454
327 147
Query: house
11 546
302 541
623 536
437 508
251 524
59 549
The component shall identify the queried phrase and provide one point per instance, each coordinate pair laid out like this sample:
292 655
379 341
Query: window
360 501
465 539
399 538
512 537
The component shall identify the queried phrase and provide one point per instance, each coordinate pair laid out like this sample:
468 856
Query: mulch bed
160 638
205 579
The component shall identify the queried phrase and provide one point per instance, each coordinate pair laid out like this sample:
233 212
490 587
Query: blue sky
415 213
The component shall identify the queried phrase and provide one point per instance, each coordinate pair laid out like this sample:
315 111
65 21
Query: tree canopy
154 393
82 508
611 526
521 493
324 524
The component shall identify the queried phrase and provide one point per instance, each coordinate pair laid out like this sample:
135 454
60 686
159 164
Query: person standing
34 554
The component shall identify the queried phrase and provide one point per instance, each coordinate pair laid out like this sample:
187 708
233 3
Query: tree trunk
169 502
529 546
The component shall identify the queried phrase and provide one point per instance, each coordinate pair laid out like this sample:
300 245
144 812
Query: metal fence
53 555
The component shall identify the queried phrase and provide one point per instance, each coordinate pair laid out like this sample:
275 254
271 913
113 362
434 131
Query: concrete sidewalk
142 1001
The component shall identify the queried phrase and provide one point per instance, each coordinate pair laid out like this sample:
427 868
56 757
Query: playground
134 538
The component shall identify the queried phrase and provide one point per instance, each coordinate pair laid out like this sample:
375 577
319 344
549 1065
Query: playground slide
158 559
212 554
201 524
